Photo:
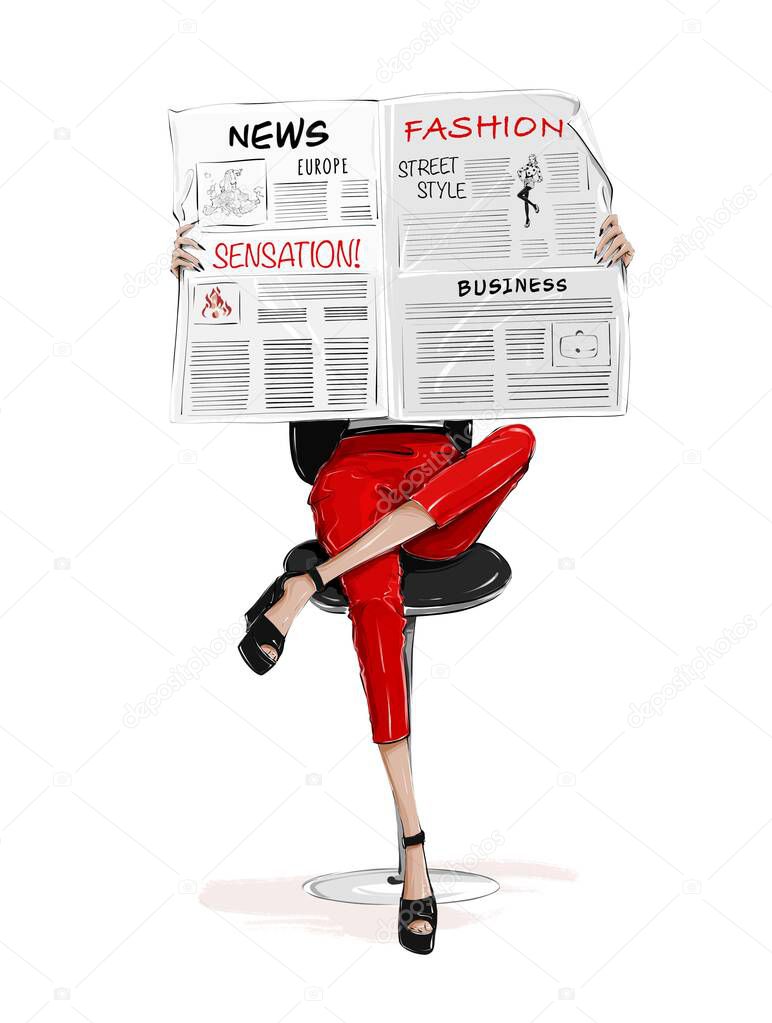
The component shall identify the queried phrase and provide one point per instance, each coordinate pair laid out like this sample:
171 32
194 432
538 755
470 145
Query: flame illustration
215 305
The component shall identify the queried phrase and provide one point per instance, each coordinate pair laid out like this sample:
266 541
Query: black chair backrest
312 443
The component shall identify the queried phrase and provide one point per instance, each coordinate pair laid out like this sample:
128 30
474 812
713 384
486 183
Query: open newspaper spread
420 258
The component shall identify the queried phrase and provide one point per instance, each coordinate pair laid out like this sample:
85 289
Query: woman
530 175
390 486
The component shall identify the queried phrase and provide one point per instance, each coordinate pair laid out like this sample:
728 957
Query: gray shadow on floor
281 902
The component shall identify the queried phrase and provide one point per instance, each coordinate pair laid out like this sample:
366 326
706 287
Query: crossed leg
451 509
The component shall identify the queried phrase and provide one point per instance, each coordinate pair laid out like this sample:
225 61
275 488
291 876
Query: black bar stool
429 587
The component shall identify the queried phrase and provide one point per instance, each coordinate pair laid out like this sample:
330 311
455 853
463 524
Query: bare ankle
299 590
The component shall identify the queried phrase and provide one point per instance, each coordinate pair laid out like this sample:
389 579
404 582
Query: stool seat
428 587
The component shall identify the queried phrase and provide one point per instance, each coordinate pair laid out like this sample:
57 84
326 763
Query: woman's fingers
613 241
180 238
610 232
179 251
177 267
616 250
190 257
184 260
608 236
624 252
189 241
181 259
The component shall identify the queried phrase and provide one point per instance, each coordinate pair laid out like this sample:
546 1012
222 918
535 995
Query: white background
153 872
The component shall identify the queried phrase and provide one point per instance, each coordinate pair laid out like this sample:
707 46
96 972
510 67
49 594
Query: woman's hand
614 242
181 258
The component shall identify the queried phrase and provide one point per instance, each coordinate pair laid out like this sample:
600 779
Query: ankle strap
317 579
418 839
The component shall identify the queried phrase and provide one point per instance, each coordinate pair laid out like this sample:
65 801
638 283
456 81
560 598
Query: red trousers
370 475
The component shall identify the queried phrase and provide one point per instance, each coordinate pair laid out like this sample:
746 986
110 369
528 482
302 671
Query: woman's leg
396 760
391 531
481 480
523 194
376 610
478 482
388 533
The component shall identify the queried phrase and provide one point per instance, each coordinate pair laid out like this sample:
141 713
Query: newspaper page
284 322
496 308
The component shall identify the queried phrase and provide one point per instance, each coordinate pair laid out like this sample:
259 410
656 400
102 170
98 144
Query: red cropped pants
369 475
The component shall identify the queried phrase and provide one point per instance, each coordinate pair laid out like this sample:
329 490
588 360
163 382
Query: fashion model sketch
530 174
366 509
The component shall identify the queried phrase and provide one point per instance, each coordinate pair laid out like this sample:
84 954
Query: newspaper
419 258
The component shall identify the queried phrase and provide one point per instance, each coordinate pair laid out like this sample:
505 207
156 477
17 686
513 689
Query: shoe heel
261 632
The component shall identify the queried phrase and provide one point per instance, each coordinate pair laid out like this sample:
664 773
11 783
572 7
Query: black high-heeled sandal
261 631
411 910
